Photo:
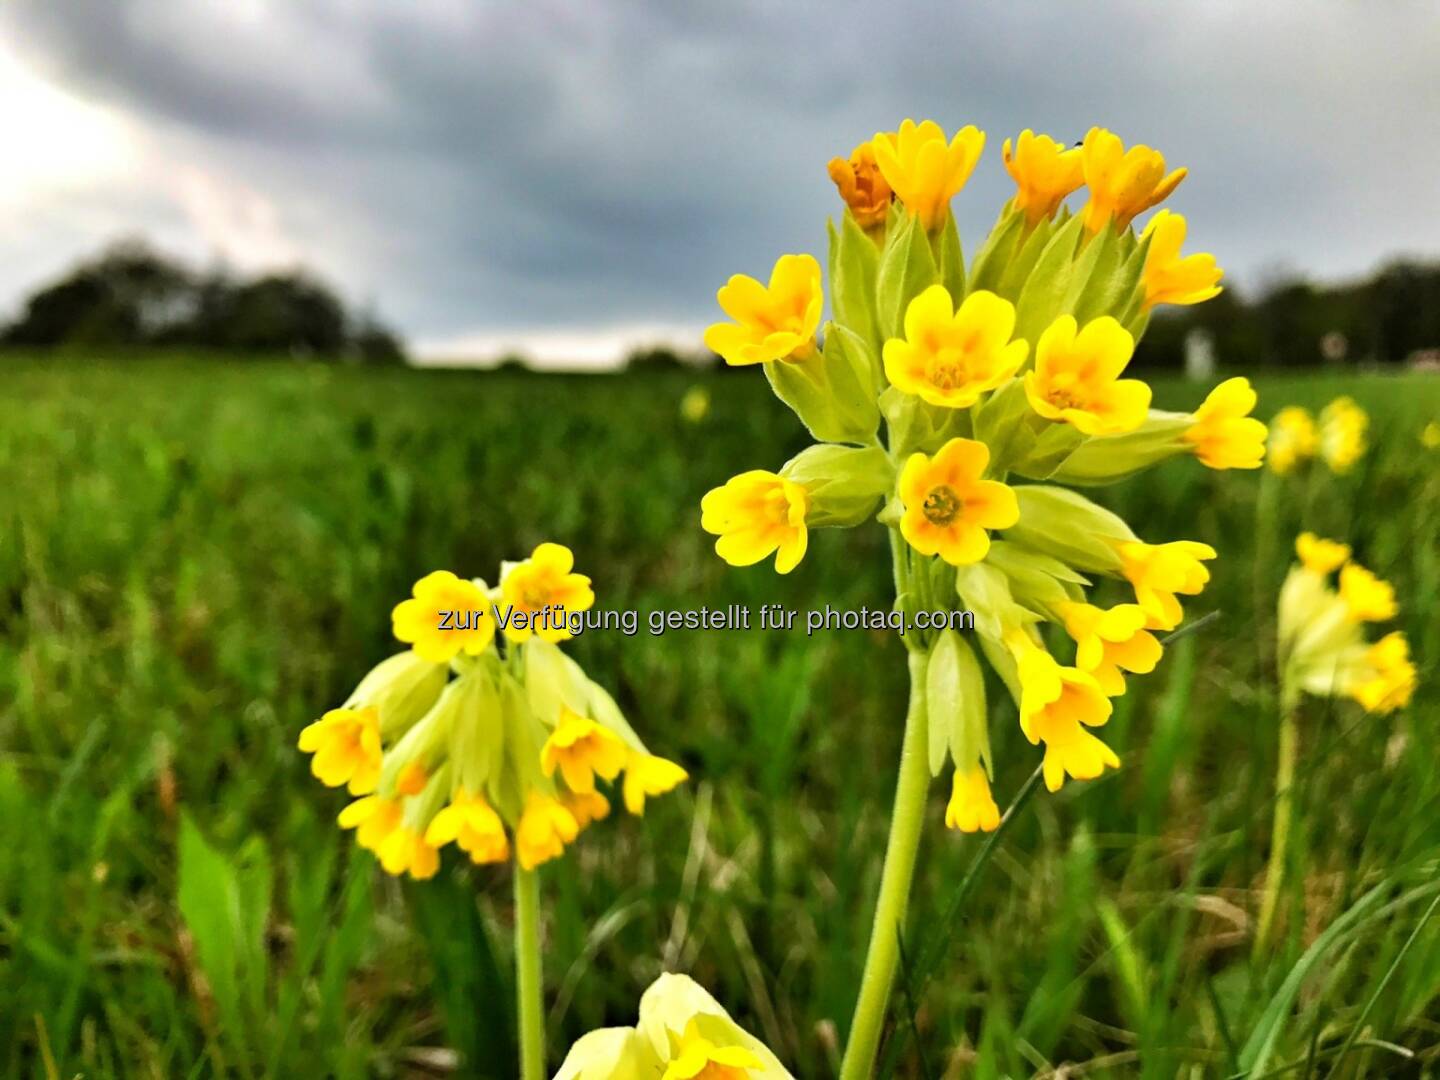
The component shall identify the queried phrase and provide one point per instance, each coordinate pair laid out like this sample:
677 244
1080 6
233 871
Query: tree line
132 296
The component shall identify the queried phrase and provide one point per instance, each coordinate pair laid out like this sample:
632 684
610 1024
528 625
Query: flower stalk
1280 829
529 988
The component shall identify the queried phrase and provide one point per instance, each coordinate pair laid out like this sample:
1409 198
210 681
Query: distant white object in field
1199 355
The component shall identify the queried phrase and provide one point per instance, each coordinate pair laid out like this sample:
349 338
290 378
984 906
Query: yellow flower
695 405
346 745
1389 680
647 774
440 603
1367 597
412 779
545 581
581 749
1057 704
1158 571
1225 435
1044 172
544 829
951 357
473 825
1076 378
1122 183
1342 434
775 322
1430 435
1108 640
1319 555
862 185
372 818
1293 439
948 506
405 851
1170 278
754 514
925 171
587 806
971 805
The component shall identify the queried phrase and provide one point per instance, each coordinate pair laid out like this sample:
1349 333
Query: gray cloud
473 166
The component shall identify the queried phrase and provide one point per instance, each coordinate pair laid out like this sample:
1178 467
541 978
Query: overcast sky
570 175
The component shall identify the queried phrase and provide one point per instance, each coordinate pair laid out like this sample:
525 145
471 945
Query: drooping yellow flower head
587 807
1107 641
774 322
862 185
1158 571
472 823
404 851
1387 678
683 1034
971 808
1170 278
951 357
346 745
1225 435
545 828
444 617
924 170
646 775
372 818
1342 434
1123 183
1044 172
1076 378
1321 556
754 514
544 581
582 749
949 507
1293 439
1057 704
1367 597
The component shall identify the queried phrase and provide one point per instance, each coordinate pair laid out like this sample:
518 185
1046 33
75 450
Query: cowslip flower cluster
483 732
683 1034
964 401
1323 649
1339 438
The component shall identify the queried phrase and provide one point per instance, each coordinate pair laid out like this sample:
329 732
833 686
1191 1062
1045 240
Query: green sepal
844 482
950 259
1005 423
1040 582
1108 459
1042 298
915 424
832 391
955 704
907 268
1065 524
477 738
854 265
1031 246
998 252
1051 449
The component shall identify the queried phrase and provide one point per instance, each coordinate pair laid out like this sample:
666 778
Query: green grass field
196 560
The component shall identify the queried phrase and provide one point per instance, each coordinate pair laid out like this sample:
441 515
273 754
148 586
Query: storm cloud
479 169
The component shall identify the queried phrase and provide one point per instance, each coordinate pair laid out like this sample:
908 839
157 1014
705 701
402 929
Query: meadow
197 559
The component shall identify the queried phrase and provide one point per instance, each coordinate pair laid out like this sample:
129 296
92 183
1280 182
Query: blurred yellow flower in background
1293 439
924 170
771 322
1367 597
1158 572
1321 556
1343 426
421 621
544 581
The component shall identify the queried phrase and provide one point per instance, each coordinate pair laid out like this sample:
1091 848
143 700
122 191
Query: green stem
529 989
1280 830
894 900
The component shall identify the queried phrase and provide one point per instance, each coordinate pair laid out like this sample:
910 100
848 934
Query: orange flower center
941 505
